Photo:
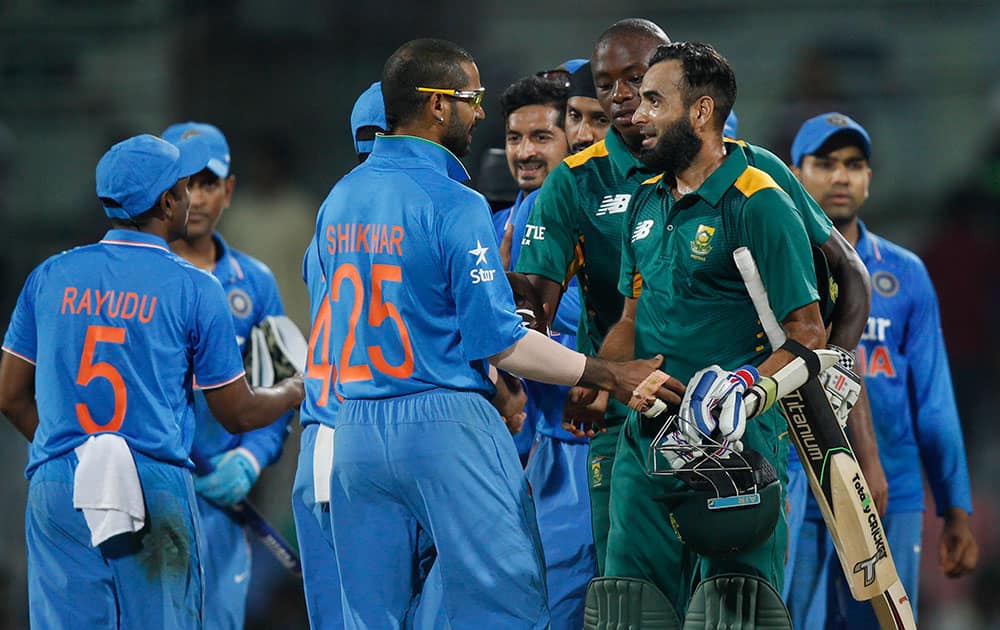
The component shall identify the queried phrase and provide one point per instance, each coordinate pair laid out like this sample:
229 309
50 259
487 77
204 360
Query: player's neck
200 252
850 231
709 158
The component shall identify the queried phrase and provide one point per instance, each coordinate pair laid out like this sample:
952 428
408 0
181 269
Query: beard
457 136
674 149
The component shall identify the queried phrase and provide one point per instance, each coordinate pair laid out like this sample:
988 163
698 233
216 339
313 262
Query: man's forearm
24 417
549 292
850 314
808 333
619 343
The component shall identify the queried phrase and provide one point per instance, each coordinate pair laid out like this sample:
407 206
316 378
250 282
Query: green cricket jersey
677 259
575 228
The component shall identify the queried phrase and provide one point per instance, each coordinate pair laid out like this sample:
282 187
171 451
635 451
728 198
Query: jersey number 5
89 371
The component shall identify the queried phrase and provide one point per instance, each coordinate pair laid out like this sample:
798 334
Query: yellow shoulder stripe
742 143
598 149
652 180
753 180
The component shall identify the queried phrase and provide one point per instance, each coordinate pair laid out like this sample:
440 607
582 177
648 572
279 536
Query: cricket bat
247 515
835 479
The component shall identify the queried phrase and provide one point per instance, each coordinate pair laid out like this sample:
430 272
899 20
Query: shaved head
632 28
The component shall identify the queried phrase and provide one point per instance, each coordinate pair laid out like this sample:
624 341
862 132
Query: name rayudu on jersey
371 238
108 303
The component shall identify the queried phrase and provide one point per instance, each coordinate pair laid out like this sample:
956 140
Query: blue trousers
315 535
558 476
150 579
439 464
227 561
816 592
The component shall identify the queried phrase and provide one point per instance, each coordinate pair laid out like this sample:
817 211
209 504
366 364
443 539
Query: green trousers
641 543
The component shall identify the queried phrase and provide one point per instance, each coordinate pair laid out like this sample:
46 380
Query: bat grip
201 465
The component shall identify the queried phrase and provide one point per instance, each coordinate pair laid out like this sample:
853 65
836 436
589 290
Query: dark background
280 80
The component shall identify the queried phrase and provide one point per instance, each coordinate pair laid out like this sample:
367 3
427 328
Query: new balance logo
641 230
613 204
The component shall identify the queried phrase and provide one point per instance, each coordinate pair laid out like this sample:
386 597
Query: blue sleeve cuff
265 444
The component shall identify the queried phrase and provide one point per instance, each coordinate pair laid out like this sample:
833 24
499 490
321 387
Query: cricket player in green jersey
685 298
575 228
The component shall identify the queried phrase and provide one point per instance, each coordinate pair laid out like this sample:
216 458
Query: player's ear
701 112
230 183
437 108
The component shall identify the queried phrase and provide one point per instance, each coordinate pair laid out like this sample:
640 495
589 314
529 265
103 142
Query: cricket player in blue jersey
535 142
311 489
902 357
236 460
104 346
557 468
420 310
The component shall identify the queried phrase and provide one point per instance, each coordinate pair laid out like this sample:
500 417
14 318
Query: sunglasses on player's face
473 97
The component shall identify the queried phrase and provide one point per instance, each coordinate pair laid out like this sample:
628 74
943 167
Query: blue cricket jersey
545 402
321 402
903 359
418 296
252 294
116 331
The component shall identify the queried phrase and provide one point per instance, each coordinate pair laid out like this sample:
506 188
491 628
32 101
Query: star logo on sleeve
480 253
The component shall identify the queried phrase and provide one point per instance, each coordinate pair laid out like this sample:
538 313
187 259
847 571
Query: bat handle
201 465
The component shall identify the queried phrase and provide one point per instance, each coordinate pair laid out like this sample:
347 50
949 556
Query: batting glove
235 473
842 385
714 401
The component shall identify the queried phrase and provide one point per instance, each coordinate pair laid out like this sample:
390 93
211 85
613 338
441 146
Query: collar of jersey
622 159
134 238
722 179
226 268
427 151
866 242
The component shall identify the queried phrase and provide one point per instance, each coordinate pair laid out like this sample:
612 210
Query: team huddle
677 384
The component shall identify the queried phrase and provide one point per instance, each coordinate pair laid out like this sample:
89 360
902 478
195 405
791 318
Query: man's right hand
623 379
583 413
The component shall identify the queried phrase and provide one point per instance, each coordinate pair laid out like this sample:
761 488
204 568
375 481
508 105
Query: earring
440 121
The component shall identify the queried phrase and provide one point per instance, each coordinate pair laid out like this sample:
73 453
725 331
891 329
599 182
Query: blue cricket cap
731 125
572 65
817 130
219 161
369 111
133 174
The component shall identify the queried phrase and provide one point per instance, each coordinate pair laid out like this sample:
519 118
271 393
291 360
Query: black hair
431 63
632 28
706 73
534 90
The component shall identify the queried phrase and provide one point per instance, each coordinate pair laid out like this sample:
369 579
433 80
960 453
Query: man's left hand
714 400
235 473
958 553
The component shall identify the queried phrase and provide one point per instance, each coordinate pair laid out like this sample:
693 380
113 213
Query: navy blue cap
581 82
219 162
817 130
731 125
133 174
369 111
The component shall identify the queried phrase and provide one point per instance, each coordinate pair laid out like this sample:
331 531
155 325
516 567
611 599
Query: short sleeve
484 302
817 225
549 240
629 280
217 360
21 339
777 239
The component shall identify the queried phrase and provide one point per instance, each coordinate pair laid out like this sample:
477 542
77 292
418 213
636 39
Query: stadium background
280 79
